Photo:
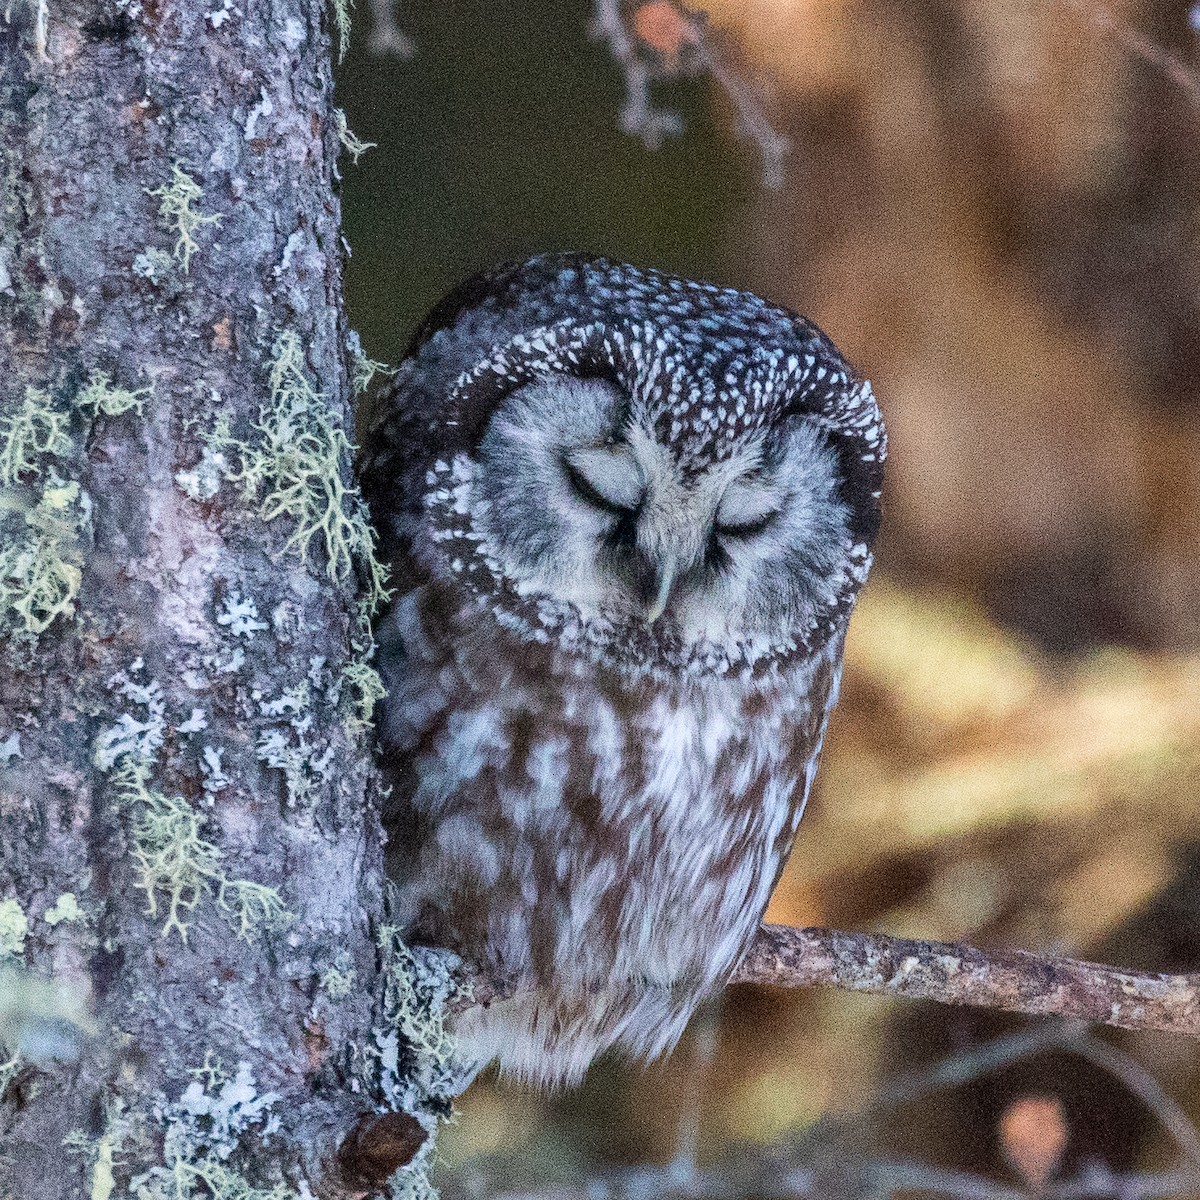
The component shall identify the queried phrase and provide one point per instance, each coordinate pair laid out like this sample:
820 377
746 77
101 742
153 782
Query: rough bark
189 846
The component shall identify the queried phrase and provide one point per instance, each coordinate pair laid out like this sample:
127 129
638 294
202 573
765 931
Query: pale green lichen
297 469
211 1070
177 865
205 1128
418 983
153 265
287 747
217 1108
206 1178
339 977
362 368
36 427
203 481
40 573
101 1154
40 565
366 681
354 145
179 215
102 395
137 737
65 908
176 861
14 927
103 1182
301 465
341 21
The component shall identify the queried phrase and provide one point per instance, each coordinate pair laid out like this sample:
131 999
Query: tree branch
1010 980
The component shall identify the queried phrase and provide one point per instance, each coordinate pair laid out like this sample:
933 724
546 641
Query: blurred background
993 208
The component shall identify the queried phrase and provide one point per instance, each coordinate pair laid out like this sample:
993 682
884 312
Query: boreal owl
628 517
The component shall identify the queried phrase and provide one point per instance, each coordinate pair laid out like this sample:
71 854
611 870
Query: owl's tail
550 1043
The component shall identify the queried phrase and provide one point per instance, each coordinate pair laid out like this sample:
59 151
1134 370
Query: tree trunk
198 994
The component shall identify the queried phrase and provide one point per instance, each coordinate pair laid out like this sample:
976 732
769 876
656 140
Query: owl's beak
666 579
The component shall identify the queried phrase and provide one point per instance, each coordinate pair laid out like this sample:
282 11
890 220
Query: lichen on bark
185 575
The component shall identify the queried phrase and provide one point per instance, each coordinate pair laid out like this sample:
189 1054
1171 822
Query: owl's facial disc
583 503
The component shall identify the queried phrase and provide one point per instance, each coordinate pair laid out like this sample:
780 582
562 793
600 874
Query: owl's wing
416 703
410 666
808 738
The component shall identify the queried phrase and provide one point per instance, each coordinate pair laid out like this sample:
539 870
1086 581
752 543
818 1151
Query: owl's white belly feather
610 845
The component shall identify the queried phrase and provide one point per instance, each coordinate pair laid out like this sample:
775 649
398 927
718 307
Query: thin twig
1010 980
753 123
1140 46
957 1070
1096 1182
641 118
1147 1089
881 1176
791 1171
888 1178
705 1028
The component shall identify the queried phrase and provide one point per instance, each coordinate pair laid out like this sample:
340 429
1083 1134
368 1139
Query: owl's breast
557 821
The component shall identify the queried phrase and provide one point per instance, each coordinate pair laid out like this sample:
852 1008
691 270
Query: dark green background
500 140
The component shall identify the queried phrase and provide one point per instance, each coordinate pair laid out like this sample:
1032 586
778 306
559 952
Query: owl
628 517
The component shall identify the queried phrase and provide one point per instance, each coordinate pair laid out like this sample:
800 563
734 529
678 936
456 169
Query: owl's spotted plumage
629 515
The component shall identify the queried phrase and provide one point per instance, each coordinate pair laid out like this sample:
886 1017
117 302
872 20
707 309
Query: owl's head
647 471
583 499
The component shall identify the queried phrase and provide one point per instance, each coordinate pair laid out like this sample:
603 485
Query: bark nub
379 1145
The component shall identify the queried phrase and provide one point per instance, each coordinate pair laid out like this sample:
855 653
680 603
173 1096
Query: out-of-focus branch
828 1158
664 39
1010 980
639 116
753 123
1142 1084
874 1177
1140 46
386 35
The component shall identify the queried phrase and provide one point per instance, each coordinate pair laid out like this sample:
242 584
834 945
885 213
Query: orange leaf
1033 1135
663 27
